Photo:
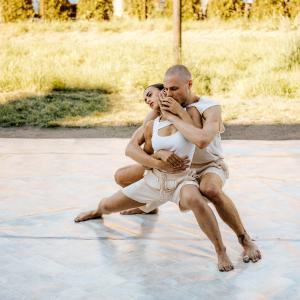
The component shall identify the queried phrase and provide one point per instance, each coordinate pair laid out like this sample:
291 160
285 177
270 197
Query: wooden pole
177 30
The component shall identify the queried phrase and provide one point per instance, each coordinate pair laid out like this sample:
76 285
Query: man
208 159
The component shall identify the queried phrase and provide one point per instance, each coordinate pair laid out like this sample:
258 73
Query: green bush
95 9
144 9
225 9
14 10
268 8
55 9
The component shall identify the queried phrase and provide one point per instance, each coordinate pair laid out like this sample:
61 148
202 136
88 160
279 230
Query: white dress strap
162 124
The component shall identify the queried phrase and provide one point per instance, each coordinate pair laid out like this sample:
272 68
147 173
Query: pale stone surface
45 183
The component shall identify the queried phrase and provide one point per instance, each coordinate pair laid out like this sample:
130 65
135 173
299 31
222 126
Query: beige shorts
157 188
217 167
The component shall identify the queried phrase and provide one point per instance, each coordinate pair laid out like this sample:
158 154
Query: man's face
177 88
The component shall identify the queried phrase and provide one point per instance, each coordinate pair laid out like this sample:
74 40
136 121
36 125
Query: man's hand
166 167
167 115
171 105
171 158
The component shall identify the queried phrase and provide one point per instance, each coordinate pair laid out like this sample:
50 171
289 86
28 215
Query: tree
14 10
95 9
55 9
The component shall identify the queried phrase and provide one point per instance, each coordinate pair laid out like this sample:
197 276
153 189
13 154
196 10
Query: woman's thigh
118 202
129 174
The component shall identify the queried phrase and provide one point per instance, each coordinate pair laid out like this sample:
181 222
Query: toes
226 268
256 257
246 259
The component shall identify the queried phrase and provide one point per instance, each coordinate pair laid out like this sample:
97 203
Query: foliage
15 10
55 9
144 9
95 9
225 9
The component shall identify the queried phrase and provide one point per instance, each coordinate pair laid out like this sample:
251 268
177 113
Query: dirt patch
233 132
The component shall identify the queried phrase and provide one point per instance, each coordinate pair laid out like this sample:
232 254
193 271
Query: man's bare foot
138 211
224 263
251 251
88 215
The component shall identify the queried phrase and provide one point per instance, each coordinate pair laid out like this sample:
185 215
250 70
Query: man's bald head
178 83
179 70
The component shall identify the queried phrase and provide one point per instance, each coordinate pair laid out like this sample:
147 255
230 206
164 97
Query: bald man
208 161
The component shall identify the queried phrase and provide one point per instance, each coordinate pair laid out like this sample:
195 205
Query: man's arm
150 116
200 137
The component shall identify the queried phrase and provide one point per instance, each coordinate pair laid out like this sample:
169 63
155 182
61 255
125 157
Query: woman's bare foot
138 211
224 263
251 251
88 215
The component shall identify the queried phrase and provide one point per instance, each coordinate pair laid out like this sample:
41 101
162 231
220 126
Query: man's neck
192 99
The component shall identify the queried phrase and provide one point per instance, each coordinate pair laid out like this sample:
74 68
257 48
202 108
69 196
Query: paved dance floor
45 183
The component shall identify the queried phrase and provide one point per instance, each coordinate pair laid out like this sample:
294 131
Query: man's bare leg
115 203
191 199
211 187
126 176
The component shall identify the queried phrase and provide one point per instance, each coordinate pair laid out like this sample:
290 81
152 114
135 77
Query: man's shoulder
204 103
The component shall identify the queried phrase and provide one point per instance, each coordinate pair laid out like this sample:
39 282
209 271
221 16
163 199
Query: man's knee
212 192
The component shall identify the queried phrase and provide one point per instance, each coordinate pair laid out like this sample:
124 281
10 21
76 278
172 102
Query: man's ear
190 83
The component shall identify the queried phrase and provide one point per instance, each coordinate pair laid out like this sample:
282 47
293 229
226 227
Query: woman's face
151 97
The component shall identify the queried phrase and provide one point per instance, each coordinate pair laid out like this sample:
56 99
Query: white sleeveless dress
157 187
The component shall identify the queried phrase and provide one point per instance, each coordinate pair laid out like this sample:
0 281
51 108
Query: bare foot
251 251
88 215
224 263
137 211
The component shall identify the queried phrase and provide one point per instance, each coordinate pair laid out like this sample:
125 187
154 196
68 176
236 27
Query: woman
156 187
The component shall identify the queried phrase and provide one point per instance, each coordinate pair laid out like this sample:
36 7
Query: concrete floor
44 255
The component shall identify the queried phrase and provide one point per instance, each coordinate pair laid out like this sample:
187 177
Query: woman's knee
193 200
120 177
104 206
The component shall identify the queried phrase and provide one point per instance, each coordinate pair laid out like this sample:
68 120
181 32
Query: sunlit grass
252 68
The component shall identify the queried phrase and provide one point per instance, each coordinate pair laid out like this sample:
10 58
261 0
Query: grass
90 74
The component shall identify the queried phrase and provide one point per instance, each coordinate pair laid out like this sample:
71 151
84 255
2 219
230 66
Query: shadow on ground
47 110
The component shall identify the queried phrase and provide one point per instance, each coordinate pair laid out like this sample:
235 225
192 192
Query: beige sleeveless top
213 151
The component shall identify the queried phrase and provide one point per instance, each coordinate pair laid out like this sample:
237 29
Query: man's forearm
184 116
140 156
195 135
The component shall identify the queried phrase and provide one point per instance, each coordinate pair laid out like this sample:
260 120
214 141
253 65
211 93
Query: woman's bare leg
115 203
126 176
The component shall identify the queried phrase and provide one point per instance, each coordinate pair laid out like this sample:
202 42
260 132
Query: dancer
157 187
208 160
